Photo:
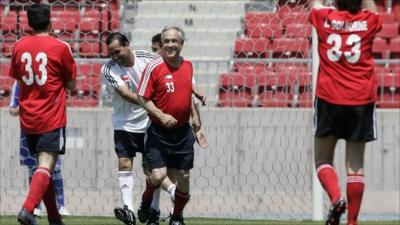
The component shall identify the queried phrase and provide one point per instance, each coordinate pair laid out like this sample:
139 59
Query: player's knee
158 176
124 164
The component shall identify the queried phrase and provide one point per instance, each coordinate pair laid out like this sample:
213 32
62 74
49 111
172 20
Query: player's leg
361 127
49 145
327 129
169 186
156 157
182 195
355 178
324 148
154 211
59 187
126 146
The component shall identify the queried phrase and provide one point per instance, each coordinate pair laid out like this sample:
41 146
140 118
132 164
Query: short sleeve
112 78
14 97
68 63
313 17
13 72
146 84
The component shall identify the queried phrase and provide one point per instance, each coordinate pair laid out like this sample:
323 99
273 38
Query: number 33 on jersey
42 65
345 41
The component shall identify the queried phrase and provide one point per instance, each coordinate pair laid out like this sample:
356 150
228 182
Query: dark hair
123 40
156 38
353 6
39 16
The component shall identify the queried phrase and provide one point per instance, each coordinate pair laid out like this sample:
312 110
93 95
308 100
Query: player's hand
196 123
14 111
201 139
203 100
169 121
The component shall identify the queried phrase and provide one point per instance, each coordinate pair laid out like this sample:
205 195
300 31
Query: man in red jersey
345 98
165 91
44 69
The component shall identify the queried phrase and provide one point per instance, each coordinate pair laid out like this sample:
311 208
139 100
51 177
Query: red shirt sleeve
13 72
69 64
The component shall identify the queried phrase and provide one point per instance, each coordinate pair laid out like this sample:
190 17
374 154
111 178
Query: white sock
125 180
155 204
171 191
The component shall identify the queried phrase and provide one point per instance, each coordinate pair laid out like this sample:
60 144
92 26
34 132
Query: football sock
40 182
148 193
49 199
125 181
181 198
171 191
59 186
329 181
155 204
355 190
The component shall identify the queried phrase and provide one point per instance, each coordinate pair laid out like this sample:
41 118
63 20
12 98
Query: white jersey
126 115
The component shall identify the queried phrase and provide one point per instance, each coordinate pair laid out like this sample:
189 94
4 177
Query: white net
253 61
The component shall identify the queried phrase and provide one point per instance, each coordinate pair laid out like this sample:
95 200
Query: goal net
252 59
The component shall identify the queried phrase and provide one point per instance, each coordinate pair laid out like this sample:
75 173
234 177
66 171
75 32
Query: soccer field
11 220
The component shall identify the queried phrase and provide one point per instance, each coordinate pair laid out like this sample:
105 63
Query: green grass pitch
11 220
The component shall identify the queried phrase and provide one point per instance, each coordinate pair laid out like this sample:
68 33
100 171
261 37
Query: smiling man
165 91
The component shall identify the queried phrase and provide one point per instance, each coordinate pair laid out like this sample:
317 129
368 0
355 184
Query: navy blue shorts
53 141
352 123
128 143
172 148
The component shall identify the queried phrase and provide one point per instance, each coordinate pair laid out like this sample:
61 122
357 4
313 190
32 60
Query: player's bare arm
370 5
127 94
196 121
199 96
317 3
166 119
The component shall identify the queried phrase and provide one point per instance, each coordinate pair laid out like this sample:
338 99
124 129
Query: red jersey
42 65
169 88
345 75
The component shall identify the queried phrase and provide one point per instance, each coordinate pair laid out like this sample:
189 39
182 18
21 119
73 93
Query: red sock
181 198
148 193
355 190
40 182
49 199
329 181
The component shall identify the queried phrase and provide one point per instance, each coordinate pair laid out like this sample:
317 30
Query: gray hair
180 30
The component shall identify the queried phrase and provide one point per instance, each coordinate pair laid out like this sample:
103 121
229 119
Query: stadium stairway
211 28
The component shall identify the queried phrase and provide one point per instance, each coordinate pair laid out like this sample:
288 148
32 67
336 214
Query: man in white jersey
123 73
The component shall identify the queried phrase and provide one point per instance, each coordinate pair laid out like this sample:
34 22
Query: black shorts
53 141
128 143
172 148
352 123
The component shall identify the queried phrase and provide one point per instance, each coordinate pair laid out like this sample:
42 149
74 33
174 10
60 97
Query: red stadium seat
394 48
298 30
235 99
8 23
379 48
6 82
386 17
7 47
251 47
389 30
389 90
257 30
289 47
235 80
262 17
269 80
380 5
89 49
273 99
255 68
294 18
